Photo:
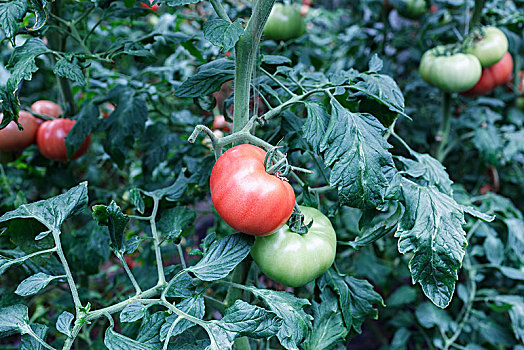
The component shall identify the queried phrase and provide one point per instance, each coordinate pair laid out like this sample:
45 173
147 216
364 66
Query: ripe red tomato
11 139
245 196
106 109
492 77
51 140
48 108
220 123
146 6
502 69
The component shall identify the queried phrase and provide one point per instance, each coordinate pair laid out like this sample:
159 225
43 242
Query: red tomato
245 196
492 77
48 108
106 109
502 69
11 139
51 140
220 123
146 6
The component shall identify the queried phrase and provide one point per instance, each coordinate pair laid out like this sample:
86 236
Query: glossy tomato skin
502 69
453 73
492 77
284 23
51 140
293 259
491 47
12 139
245 196
48 108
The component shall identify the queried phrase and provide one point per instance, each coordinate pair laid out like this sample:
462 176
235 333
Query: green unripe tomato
520 103
453 73
284 23
489 46
411 9
293 259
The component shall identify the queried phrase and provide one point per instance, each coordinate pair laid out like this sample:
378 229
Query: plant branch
156 241
219 9
129 273
445 126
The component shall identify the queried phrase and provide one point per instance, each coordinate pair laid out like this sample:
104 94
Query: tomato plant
284 23
245 196
172 234
51 140
451 73
489 45
13 139
294 259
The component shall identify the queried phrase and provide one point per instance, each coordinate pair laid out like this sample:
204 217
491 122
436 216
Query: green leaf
149 332
69 70
402 296
63 323
11 13
180 2
427 168
516 236
115 341
137 200
431 230
512 273
375 225
34 284
13 319
516 313
222 257
174 220
356 298
242 319
494 249
50 212
275 59
208 78
6 263
125 124
193 306
382 89
430 316
328 326
223 33
117 226
375 64
489 143
10 106
86 121
39 8
182 287
23 62
316 123
296 322
173 192
29 342
133 312
356 152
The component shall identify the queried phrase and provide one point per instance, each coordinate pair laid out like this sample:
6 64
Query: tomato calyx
296 222
276 163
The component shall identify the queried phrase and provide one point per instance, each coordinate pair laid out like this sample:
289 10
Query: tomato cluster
49 135
284 23
484 65
492 76
257 203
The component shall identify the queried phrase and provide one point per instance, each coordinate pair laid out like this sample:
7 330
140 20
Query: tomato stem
445 126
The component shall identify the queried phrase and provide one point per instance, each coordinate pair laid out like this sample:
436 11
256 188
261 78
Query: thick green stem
445 126
156 241
69 275
57 42
477 13
246 49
